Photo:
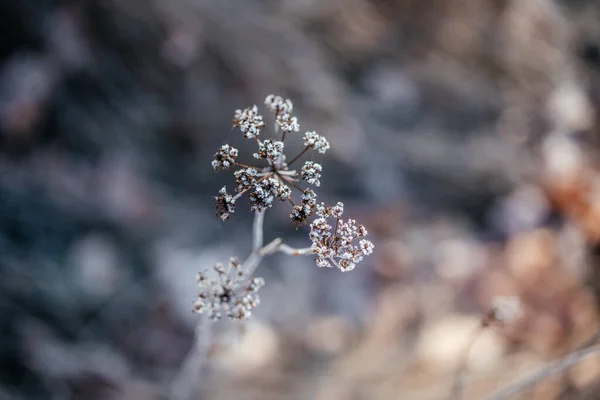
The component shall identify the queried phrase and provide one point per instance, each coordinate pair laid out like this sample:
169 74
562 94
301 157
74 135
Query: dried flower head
231 293
245 178
225 157
249 121
265 191
225 204
269 149
287 123
302 212
316 142
336 247
278 105
311 172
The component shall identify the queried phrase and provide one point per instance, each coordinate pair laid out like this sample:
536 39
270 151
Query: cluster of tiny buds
336 246
269 149
225 157
311 172
302 212
249 121
230 294
225 204
282 109
316 142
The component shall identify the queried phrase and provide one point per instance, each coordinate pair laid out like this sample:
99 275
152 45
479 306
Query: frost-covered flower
287 123
231 293
225 157
249 121
245 178
225 204
266 191
337 247
311 172
316 142
269 149
300 213
366 247
278 105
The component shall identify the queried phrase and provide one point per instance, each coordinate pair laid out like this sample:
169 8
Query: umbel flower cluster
275 179
335 242
230 293
338 247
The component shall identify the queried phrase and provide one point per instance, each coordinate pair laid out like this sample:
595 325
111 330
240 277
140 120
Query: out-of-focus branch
187 379
546 371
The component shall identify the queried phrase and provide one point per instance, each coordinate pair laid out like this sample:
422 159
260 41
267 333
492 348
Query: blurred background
465 136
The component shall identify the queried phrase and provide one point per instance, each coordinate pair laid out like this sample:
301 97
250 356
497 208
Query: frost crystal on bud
231 293
311 172
249 121
316 142
225 157
269 149
225 204
338 248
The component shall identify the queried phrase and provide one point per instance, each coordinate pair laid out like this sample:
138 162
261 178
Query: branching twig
285 249
298 156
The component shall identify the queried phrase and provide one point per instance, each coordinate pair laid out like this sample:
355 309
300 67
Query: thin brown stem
298 156
244 165
335 237
292 184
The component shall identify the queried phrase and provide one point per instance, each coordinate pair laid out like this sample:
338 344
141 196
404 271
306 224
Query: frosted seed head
249 121
311 172
315 141
269 150
225 157
225 204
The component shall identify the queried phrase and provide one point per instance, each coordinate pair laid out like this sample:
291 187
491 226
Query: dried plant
341 244
232 291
